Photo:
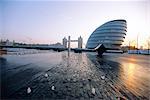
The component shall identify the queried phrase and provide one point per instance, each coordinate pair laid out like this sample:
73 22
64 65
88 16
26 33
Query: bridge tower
67 42
64 42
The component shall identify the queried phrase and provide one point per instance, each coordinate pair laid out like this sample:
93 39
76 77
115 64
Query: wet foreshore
57 75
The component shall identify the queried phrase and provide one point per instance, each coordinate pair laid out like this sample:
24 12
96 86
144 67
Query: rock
53 88
93 91
102 77
46 75
68 79
28 90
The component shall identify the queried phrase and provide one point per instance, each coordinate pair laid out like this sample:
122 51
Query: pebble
46 75
29 90
53 88
93 91
103 77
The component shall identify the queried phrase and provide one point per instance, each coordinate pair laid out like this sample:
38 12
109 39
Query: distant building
80 42
126 48
146 51
64 42
6 42
141 47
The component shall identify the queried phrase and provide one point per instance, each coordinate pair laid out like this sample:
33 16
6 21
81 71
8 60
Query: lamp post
129 47
148 44
137 43
68 43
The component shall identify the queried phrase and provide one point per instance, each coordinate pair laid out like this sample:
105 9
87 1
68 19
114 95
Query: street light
137 43
148 44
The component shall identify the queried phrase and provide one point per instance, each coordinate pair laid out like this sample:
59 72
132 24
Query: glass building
111 34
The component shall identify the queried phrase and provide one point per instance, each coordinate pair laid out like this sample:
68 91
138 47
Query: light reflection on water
128 77
134 73
129 73
135 78
77 64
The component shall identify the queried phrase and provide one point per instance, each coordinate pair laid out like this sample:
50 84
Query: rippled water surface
75 75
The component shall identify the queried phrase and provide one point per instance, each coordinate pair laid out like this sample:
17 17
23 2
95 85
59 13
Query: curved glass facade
110 34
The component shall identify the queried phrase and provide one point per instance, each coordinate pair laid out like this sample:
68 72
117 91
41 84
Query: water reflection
128 76
105 65
135 78
129 73
77 65
65 58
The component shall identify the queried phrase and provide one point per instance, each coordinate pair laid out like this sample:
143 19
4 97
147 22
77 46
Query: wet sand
56 75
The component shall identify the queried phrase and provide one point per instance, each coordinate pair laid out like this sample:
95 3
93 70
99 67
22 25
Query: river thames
35 74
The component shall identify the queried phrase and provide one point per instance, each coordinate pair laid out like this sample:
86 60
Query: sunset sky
38 21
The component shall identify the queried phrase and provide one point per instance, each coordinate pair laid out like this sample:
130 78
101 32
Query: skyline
50 21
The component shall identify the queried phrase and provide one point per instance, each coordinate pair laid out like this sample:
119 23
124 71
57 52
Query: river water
74 75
